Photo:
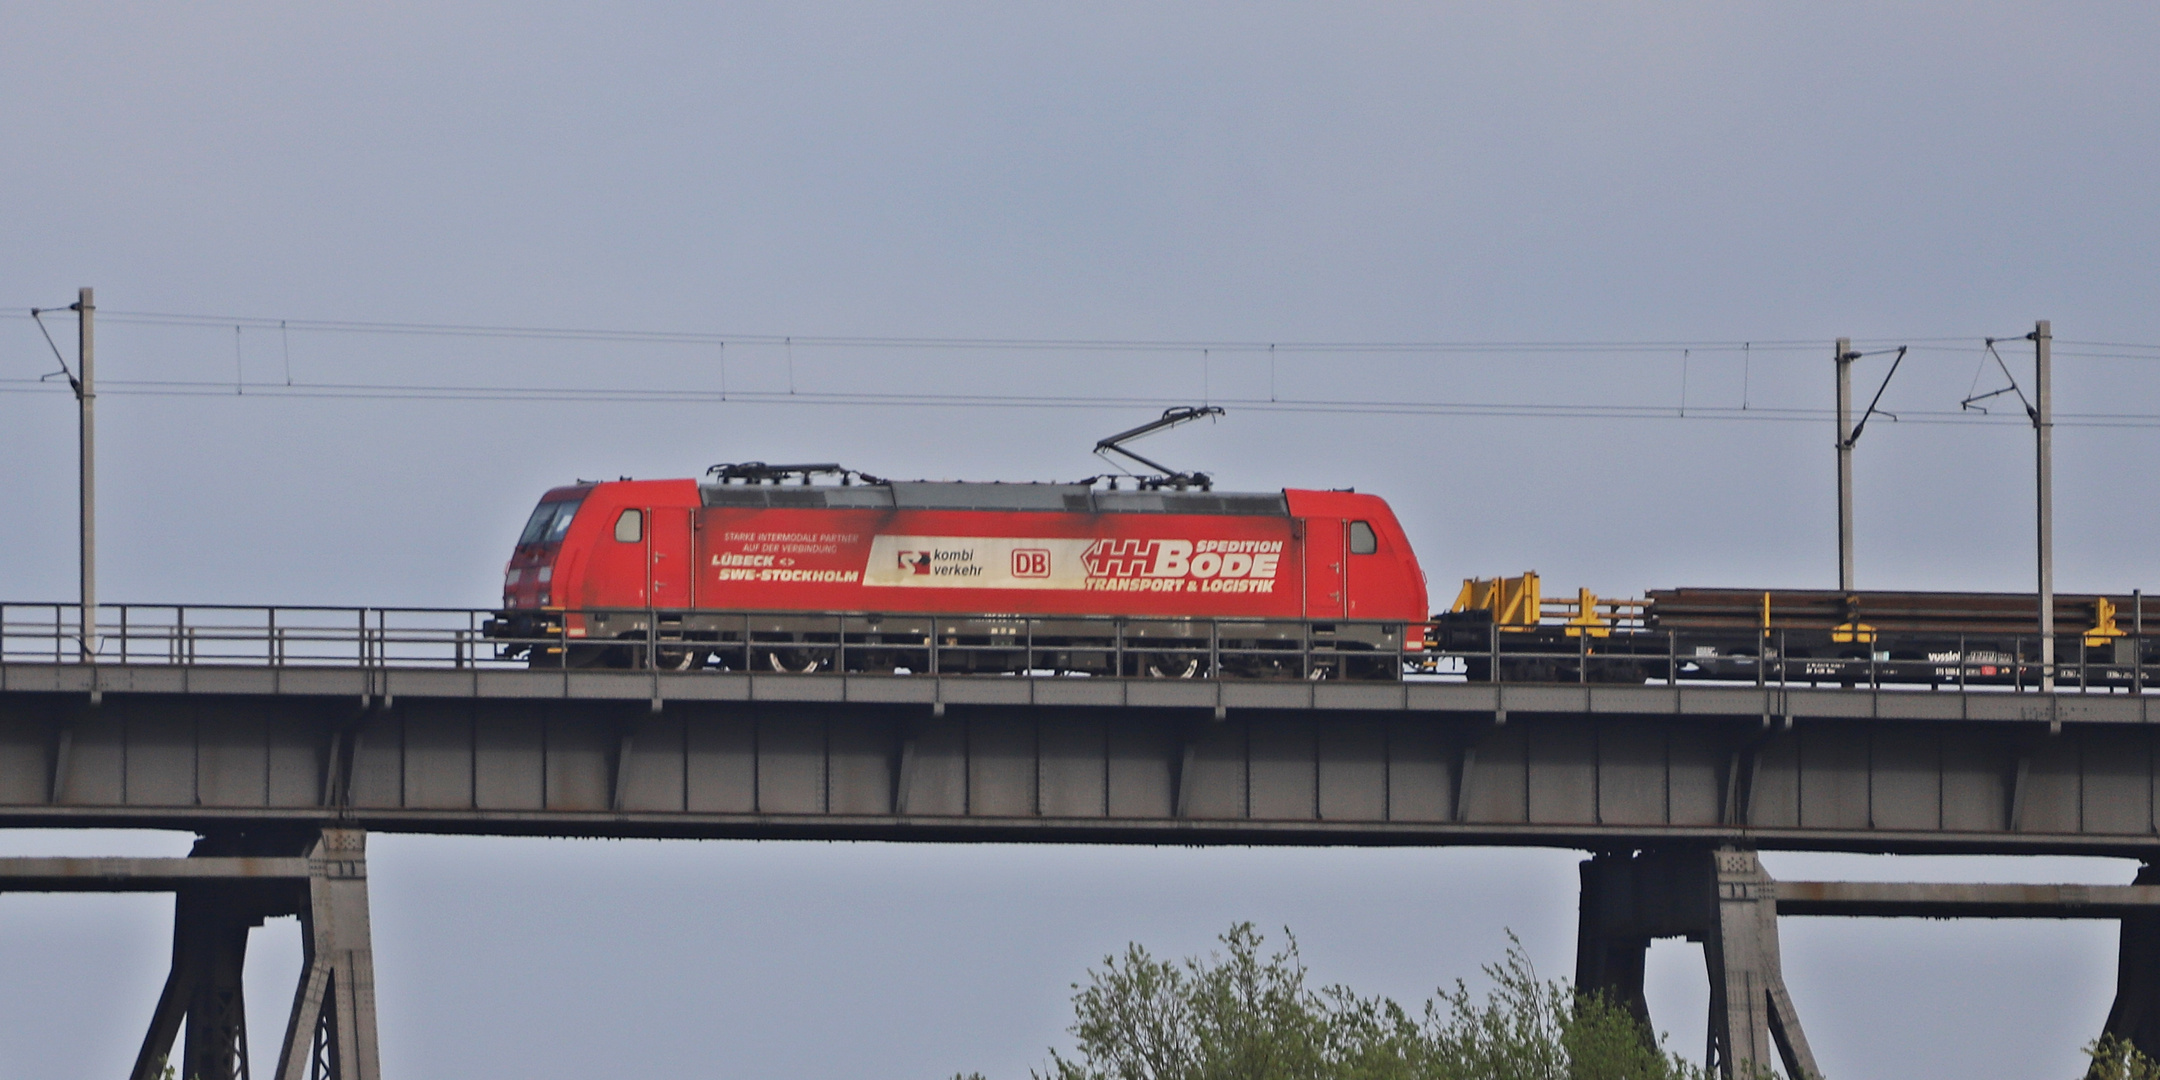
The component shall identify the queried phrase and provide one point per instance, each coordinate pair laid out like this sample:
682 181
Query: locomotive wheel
794 661
679 659
1160 666
1262 669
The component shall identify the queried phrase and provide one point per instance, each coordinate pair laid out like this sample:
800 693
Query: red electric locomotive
766 569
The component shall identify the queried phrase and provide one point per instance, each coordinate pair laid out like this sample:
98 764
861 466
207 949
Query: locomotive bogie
801 642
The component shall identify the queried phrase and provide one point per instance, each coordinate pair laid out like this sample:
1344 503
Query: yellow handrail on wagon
2104 628
1585 619
1517 605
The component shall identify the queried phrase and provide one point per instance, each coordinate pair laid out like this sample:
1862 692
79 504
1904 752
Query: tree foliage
1244 1013
1248 1014
2116 1059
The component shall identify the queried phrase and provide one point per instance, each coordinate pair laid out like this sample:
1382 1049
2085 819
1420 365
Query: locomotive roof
1059 498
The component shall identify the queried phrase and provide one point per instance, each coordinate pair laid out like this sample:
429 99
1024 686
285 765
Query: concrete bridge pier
1721 898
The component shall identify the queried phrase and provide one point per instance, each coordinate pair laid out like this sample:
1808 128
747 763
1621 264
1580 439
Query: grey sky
1697 172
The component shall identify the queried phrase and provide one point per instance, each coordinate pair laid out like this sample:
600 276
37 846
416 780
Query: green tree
1247 1014
2116 1059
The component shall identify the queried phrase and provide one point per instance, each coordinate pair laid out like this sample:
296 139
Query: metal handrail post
270 636
2137 651
123 633
1672 658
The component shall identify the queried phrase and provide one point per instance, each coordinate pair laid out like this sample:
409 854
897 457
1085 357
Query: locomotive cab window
549 521
630 527
1362 539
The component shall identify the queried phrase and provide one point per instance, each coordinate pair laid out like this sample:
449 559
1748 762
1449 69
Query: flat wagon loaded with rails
805 568
1505 628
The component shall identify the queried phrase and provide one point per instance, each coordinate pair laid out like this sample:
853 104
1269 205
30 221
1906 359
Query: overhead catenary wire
621 395
360 326
1205 350
894 341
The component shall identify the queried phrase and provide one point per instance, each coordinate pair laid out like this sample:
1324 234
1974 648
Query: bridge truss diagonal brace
331 1035
210 932
1720 898
1751 1013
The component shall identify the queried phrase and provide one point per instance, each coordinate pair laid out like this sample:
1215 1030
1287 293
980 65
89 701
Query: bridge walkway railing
1052 646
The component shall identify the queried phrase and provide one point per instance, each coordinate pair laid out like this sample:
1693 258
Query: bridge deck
1074 759
1413 696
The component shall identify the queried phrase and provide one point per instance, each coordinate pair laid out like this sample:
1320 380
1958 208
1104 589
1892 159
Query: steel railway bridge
282 737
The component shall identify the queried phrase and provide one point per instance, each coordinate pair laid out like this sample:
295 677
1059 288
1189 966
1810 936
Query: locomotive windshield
549 521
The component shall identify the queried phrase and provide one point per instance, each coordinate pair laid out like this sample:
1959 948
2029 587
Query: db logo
1031 562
